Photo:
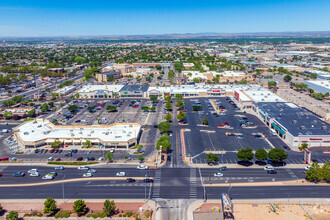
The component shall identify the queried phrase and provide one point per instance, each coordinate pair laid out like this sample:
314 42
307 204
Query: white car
87 175
91 171
35 174
142 167
218 174
59 168
50 158
268 168
307 168
101 158
83 168
121 174
112 150
48 177
33 171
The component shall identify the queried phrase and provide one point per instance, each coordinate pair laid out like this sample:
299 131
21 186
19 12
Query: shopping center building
42 132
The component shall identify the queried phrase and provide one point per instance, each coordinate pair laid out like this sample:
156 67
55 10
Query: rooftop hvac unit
294 122
117 136
32 130
324 127
130 126
314 122
72 135
302 127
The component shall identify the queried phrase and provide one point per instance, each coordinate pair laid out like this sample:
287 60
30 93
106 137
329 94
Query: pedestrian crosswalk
157 181
193 184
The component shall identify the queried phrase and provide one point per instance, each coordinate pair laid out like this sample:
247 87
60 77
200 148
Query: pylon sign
307 157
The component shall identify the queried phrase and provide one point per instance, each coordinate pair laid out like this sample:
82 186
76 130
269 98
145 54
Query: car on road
223 168
286 147
59 168
48 177
91 171
268 168
218 174
130 180
148 180
19 174
87 175
33 171
307 168
35 174
83 168
142 167
121 174
271 172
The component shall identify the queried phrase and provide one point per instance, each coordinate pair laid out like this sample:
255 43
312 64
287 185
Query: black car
91 158
271 172
80 159
148 180
168 158
36 151
286 147
130 180
68 154
223 168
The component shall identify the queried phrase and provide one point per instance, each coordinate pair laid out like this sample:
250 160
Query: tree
245 154
79 207
303 146
277 155
145 108
8 115
178 96
158 67
139 147
168 117
153 98
325 171
196 80
272 84
1 209
212 158
109 207
140 158
205 121
88 143
13 215
164 126
91 108
50 205
153 109
56 143
314 173
197 107
45 107
261 154
73 108
313 76
179 103
181 116
109 156
79 60
168 98
168 105
287 78
164 142
111 108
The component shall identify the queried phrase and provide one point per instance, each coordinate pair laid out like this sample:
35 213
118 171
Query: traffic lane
267 192
252 172
67 173
79 190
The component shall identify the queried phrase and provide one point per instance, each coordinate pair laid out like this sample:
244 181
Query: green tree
168 105
88 143
140 158
91 108
168 98
168 117
79 60
205 121
79 207
109 156
153 98
13 215
111 108
73 108
325 171
153 109
44 107
145 108
272 84
313 76
197 107
245 154
287 78
178 96
50 206
314 173
179 103
56 143
164 142
164 126
196 80
261 154
181 116
31 113
139 147
8 115
212 158
303 146
109 207
277 155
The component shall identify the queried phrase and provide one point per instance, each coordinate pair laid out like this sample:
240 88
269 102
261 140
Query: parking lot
229 136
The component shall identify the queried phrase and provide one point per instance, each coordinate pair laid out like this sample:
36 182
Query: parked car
50 159
286 147
80 159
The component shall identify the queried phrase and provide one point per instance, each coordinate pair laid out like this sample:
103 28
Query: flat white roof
322 83
65 89
92 88
43 129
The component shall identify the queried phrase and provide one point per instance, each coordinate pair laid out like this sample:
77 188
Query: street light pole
63 188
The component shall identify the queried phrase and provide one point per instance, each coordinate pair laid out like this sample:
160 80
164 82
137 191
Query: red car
52 150
135 106
220 126
5 158
58 159
0 174
226 123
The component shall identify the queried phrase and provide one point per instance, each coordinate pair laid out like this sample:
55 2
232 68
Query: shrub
128 213
120 215
50 205
13 215
97 215
147 213
79 207
1 209
63 214
72 163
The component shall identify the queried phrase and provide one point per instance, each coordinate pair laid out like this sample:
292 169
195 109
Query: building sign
236 95
100 92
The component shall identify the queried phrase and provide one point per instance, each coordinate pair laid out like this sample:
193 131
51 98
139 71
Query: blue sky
107 17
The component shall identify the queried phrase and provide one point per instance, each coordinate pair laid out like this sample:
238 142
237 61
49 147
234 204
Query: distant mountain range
204 35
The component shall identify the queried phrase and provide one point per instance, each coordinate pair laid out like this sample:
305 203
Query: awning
278 128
